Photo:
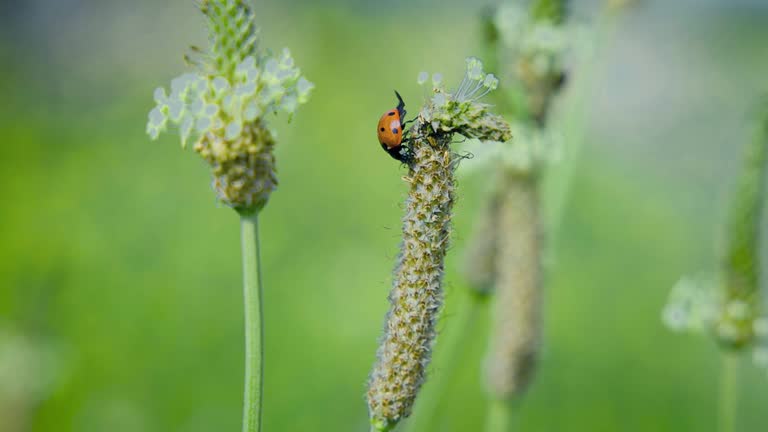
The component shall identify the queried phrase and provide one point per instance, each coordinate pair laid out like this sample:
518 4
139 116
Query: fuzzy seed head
243 166
731 308
416 296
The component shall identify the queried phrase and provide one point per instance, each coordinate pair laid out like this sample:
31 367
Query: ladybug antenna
400 105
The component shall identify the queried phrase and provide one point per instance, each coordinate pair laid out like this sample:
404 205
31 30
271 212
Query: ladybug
390 131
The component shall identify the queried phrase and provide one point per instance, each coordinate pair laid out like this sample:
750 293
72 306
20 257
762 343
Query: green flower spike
730 305
741 264
416 296
222 105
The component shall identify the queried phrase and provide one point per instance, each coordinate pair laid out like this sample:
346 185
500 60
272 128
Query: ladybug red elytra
390 131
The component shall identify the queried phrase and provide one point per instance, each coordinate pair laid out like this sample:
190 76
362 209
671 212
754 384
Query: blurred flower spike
692 305
460 111
733 308
222 105
530 47
697 305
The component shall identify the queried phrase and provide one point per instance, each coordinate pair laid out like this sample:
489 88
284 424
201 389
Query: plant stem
500 414
455 342
380 428
729 380
254 328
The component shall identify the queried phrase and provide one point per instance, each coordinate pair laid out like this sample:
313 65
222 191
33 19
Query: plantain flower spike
731 306
528 43
530 46
742 304
416 297
515 336
221 106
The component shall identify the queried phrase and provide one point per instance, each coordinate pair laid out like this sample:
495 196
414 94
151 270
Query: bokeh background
120 283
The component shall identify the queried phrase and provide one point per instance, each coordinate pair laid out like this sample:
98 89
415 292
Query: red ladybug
390 131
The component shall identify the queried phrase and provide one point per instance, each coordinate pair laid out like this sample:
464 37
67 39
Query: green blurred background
120 283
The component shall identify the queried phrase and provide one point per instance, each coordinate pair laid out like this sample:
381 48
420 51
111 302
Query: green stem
254 329
455 343
500 415
729 380
381 428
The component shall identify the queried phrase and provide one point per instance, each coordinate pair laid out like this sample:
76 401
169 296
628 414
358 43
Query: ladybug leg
395 152
407 131
407 155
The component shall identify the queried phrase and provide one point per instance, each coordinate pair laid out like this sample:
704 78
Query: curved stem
729 382
254 329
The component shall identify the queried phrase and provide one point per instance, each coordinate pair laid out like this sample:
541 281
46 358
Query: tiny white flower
270 70
203 124
186 129
511 20
289 103
474 68
303 88
437 79
196 108
233 130
676 317
246 90
272 94
160 96
251 112
153 131
220 85
247 63
179 84
211 110
491 82
286 60
157 118
175 110
439 100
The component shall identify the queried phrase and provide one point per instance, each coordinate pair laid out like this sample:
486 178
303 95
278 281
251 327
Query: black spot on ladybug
382 129
391 113
394 130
